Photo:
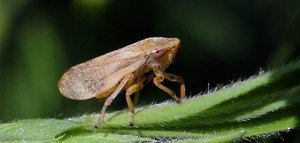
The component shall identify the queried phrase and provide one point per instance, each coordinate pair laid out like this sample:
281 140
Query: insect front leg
160 78
109 100
132 89
176 78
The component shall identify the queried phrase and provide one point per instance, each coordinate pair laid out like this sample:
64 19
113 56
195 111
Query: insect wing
97 76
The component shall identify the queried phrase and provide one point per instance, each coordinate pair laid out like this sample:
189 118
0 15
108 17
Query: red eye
156 51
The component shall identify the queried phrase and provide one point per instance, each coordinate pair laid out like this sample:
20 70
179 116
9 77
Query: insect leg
140 82
132 89
137 94
109 100
176 78
136 98
157 81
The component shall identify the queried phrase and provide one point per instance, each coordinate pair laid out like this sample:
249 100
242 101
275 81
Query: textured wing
100 74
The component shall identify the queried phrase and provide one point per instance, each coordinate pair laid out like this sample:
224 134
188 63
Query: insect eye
157 51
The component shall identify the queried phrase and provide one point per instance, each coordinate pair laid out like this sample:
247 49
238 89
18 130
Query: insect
128 68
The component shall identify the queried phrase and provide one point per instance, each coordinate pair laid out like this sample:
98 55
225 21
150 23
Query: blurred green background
221 41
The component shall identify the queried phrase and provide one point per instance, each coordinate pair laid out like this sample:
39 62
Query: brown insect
128 68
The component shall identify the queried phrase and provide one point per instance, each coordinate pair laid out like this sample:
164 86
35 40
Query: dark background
222 41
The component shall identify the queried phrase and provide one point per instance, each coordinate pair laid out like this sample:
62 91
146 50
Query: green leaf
36 129
106 137
260 105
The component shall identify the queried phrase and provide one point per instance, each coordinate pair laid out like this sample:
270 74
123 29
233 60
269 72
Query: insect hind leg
110 99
